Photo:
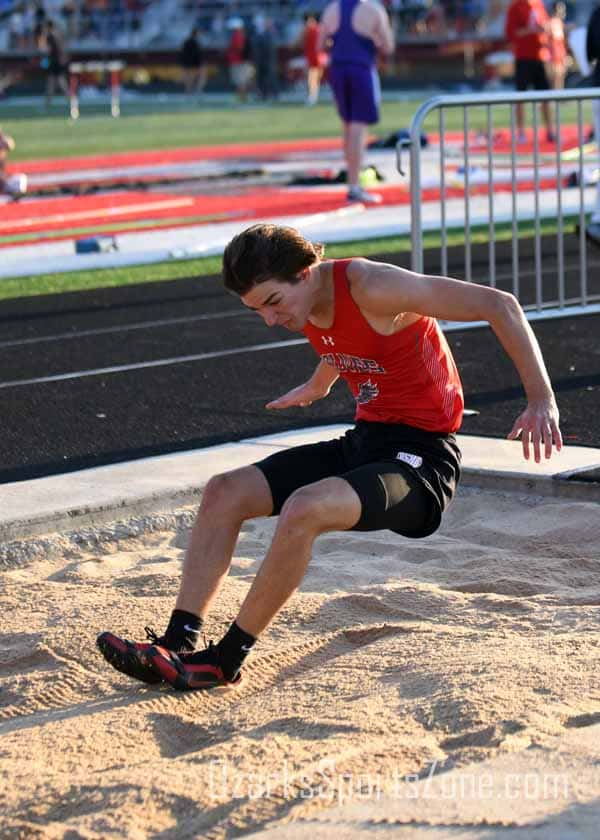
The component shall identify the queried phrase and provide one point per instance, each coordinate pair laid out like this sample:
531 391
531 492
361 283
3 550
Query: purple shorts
356 91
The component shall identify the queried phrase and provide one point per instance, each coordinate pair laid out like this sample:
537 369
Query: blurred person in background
97 16
70 19
557 43
18 23
593 54
355 31
239 52
527 26
435 22
55 61
264 52
39 20
193 66
411 15
315 60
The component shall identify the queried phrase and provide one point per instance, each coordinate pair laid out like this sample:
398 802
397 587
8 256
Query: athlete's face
280 304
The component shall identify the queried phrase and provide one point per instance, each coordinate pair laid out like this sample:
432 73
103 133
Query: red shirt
311 37
534 46
235 50
409 377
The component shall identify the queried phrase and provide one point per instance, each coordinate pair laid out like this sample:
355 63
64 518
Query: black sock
183 630
233 648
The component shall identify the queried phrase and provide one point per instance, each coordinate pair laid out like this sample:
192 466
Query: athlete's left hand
536 425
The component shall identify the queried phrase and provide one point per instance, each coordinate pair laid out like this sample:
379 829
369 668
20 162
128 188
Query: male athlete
357 29
374 325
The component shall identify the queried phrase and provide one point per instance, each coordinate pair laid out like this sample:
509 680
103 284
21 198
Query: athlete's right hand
302 396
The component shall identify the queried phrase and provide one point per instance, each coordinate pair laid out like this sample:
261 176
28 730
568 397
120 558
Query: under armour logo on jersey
327 339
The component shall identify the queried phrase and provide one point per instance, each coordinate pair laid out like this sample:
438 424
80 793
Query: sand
443 688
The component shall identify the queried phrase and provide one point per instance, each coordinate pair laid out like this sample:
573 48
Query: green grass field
181 126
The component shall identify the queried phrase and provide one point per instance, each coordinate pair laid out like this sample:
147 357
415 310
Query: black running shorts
530 73
404 477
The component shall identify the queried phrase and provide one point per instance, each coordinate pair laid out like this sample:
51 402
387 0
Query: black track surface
60 426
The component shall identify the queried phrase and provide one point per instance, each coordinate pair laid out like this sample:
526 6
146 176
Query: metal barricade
565 198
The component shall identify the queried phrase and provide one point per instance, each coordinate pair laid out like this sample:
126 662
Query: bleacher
430 33
90 25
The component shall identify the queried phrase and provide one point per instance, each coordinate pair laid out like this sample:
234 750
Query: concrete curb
516 482
94 516
95 497
122 509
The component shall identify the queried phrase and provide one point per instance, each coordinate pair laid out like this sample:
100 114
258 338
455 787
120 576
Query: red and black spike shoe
130 658
191 671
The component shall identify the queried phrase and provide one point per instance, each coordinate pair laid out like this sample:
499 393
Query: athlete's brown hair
267 252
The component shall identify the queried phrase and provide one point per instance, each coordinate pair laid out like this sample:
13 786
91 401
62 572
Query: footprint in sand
578 721
42 680
26 655
503 605
502 586
82 571
489 736
358 606
148 586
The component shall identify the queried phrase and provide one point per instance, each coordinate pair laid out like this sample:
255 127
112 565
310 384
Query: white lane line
177 360
141 325
98 212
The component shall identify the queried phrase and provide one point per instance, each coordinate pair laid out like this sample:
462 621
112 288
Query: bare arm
326 27
6 142
318 386
388 290
383 36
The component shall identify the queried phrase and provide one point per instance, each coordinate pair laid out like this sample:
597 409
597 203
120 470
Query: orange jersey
557 42
409 377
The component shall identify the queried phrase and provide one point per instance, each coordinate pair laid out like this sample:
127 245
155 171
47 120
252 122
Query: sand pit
473 652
